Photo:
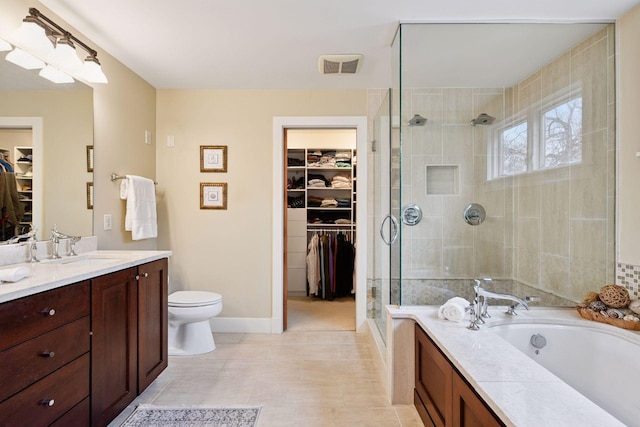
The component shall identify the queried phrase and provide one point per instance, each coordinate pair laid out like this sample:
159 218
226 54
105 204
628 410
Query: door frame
277 253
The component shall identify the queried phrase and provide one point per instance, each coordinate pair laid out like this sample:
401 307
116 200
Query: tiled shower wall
552 230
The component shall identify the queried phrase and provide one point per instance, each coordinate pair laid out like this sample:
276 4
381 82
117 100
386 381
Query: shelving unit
313 208
23 168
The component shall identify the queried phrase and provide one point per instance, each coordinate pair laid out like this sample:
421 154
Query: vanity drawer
31 316
30 361
64 388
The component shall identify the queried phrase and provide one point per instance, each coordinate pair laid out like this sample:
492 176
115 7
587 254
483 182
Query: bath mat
192 416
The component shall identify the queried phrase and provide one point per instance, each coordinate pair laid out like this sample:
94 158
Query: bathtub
600 362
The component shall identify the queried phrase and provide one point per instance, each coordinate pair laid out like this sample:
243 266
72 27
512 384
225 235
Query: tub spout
479 306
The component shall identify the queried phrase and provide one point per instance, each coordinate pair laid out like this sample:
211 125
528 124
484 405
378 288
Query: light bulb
92 71
32 36
24 59
64 56
55 75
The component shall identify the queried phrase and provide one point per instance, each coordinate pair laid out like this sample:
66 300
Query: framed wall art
213 195
213 158
89 158
89 195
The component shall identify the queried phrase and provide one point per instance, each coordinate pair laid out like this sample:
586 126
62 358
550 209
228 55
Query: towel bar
115 177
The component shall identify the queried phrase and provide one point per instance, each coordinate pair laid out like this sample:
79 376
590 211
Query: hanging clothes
330 265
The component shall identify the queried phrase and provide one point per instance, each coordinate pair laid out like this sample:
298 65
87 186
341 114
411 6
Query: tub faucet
479 306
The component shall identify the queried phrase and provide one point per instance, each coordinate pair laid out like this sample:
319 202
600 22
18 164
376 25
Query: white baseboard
241 325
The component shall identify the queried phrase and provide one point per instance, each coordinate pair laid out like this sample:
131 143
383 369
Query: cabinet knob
145 275
48 353
49 311
137 277
47 402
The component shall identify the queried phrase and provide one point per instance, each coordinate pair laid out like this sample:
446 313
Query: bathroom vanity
82 337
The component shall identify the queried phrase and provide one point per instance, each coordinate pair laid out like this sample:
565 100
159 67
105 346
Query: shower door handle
394 228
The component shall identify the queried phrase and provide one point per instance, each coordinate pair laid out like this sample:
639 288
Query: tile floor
301 378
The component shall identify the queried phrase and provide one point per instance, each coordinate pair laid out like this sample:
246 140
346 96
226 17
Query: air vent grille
339 64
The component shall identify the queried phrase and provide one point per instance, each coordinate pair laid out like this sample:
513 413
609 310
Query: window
562 134
546 137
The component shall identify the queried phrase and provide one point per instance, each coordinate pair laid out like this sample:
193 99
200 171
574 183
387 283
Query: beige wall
228 251
628 232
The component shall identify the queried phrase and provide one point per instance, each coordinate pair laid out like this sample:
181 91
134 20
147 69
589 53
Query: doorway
321 199
280 218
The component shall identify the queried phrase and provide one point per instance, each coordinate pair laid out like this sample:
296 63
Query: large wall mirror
46 129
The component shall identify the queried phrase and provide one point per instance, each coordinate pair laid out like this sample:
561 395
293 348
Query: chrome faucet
31 240
479 307
55 242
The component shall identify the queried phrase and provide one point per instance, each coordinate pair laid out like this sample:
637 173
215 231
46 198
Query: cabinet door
152 321
113 344
433 380
468 409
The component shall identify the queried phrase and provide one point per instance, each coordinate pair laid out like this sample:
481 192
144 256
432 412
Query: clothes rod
115 177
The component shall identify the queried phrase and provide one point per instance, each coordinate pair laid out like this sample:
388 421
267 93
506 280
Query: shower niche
442 179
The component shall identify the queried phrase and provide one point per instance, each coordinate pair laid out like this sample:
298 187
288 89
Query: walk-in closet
320 227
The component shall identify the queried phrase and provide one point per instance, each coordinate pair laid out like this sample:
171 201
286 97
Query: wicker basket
597 317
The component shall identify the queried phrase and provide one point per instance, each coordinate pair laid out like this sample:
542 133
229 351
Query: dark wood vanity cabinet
441 395
153 321
129 342
79 354
114 307
44 351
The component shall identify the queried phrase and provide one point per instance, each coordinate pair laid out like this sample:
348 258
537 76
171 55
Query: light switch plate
108 222
171 141
147 137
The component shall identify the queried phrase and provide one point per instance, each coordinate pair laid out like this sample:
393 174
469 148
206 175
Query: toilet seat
193 298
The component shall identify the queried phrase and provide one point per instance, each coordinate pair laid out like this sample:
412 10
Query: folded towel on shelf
13 274
454 309
141 216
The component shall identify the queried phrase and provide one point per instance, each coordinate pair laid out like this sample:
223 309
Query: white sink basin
82 260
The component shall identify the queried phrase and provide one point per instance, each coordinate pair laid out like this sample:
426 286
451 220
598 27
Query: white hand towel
124 189
454 309
13 274
141 218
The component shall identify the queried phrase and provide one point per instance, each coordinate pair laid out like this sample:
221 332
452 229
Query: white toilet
189 315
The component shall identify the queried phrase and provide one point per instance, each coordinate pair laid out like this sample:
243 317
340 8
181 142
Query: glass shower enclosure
494 157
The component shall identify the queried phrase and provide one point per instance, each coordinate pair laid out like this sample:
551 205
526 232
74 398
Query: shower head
417 120
483 120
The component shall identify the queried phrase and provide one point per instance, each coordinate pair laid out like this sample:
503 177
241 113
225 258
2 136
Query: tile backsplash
628 275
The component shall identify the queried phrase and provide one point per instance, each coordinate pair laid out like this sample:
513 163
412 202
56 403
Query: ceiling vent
339 64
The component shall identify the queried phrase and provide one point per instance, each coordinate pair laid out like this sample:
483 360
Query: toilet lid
193 298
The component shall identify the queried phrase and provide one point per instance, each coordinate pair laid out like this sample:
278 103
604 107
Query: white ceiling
254 44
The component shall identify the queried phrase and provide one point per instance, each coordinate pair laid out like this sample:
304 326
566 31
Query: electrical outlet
171 141
108 223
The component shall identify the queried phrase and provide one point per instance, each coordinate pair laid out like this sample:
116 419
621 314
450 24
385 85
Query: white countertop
519 390
51 274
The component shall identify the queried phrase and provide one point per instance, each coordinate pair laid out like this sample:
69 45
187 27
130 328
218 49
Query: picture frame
89 158
213 195
89 195
213 158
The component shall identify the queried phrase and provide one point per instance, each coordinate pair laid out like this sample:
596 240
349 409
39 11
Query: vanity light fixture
45 39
